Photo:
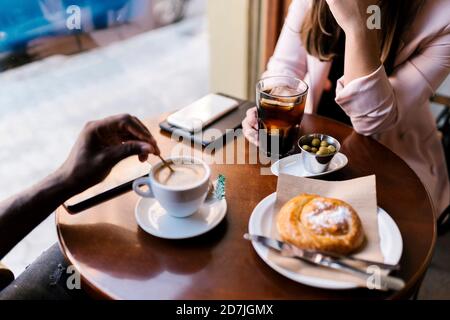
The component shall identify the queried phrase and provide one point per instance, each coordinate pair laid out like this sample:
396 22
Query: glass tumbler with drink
281 105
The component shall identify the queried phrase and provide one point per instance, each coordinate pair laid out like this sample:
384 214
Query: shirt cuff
365 95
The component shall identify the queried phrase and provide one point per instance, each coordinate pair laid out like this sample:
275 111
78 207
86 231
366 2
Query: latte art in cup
183 174
181 191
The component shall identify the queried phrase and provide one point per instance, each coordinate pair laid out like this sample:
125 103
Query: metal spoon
166 164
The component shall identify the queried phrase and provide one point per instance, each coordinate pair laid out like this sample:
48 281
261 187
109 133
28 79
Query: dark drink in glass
281 105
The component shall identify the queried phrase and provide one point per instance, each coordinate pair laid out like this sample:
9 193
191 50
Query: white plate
153 219
260 224
293 166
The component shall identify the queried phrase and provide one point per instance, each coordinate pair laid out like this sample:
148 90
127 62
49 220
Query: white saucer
293 166
153 219
391 244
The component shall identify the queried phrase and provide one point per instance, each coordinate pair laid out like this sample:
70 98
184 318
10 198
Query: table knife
364 262
288 250
359 260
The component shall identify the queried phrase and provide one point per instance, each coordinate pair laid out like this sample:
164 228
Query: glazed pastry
314 222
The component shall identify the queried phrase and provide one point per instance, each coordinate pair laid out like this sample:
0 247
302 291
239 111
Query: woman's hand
250 126
351 15
101 145
362 46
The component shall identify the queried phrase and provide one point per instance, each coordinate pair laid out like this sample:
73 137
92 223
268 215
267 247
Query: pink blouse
393 109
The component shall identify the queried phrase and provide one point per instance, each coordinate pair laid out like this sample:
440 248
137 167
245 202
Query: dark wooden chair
443 123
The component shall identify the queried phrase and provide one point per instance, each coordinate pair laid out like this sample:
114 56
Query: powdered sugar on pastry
329 217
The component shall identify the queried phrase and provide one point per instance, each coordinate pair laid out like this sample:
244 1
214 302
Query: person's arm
288 59
362 46
100 146
20 214
374 101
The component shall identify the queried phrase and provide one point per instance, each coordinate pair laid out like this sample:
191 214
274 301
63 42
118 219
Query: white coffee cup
178 201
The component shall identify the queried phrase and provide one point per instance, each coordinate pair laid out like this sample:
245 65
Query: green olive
324 149
306 148
323 152
324 144
315 142
332 149
314 150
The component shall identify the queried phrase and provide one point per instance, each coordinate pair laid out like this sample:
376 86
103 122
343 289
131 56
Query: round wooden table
118 260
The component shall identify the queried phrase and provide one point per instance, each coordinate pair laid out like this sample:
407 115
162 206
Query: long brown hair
321 35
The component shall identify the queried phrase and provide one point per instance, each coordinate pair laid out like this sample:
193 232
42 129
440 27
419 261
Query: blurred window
23 23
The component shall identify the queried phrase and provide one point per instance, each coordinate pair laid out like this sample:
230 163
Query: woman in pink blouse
380 81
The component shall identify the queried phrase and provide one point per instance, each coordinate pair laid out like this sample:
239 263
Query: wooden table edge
92 290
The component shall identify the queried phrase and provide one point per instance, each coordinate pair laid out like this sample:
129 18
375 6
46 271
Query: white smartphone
202 112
